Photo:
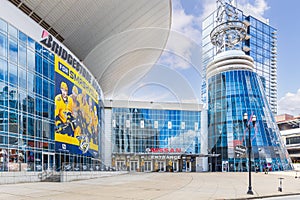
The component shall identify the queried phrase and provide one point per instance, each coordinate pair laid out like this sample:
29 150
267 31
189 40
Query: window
22 56
45 68
38 85
22 78
38 63
22 38
13 74
45 88
3 45
3 26
30 60
30 78
3 70
13 51
12 31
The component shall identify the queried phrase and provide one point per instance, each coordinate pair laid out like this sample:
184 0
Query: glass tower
234 88
260 43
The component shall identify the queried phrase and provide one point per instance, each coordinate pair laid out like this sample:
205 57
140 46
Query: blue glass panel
3 119
51 57
30 125
45 88
13 51
45 109
22 56
38 63
23 101
51 87
3 45
38 128
22 78
52 107
3 26
13 125
3 94
13 74
38 85
22 37
30 60
31 82
31 43
45 53
12 31
38 48
38 106
46 68
13 98
3 70
31 104
51 68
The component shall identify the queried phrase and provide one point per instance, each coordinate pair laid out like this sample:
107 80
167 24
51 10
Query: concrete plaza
158 186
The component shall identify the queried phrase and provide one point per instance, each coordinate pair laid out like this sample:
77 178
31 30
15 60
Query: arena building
61 65
51 111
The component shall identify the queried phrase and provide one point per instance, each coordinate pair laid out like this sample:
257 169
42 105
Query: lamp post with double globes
248 126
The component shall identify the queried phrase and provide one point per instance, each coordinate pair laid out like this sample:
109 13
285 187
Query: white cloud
184 40
256 9
290 104
208 7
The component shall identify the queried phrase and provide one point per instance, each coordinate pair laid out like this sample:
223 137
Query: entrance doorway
48 161
188 166
121 165
161 166
147 166
175 166
133 165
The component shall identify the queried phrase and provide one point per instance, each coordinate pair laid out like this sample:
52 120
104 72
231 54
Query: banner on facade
76 111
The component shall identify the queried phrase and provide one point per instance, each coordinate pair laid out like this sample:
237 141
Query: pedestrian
266 168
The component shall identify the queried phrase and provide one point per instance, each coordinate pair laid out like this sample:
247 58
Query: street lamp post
245 118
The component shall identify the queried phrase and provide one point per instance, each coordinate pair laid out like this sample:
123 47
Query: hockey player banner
76 112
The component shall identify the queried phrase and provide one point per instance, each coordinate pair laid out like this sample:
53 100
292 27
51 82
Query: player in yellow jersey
75 110
83 136
95 125
64 120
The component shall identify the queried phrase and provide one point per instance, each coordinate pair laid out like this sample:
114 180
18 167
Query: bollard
280 184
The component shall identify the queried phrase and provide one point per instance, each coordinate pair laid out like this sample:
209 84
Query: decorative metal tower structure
234 89
229 30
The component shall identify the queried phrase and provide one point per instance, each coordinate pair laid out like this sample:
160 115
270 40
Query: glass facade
260 44
155 140
27 107
138 130
230 95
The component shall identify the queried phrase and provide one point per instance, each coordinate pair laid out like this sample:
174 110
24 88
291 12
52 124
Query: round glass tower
233 90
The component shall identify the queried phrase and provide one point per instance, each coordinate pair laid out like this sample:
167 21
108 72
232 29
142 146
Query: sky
177 74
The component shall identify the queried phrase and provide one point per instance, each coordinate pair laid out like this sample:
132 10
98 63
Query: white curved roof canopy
111 37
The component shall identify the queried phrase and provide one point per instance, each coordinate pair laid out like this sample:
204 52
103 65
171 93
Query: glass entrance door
133 165
148 165
161 166
48 161
175 166
188 166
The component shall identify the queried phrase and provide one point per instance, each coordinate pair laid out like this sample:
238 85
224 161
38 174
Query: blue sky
177 74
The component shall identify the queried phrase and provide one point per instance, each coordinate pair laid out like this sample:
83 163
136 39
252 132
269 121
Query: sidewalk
159 186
